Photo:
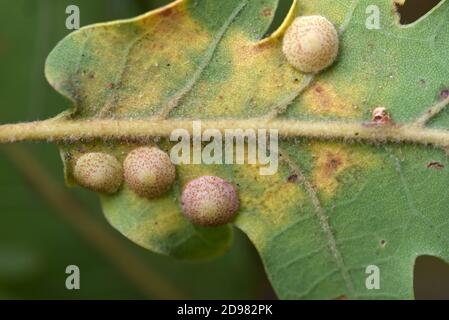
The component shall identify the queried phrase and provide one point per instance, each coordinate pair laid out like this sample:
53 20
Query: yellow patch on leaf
323 99
168 64
272 196
187 173
259 70
333 159
266 203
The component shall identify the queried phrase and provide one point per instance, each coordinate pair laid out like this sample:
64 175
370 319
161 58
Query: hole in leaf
431 278
412 10
280 15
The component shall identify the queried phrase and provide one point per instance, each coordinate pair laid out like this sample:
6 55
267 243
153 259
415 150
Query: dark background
44 227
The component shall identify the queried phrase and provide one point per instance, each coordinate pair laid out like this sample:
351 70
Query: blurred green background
44 227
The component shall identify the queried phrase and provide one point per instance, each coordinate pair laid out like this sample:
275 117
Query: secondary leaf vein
324 222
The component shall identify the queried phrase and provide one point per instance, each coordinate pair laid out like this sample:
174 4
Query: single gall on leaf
311 44
149 172
210 201
99 172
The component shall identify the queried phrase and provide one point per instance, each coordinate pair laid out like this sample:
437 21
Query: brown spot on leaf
435 165
323 98
330 161
444 94
292 178
260 47
267 12
166 13
318 89
333 162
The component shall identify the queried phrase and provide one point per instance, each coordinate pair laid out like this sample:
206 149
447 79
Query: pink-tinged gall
149 172
210 201
99 172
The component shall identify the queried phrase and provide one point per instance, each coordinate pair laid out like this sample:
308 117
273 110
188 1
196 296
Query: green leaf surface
333 208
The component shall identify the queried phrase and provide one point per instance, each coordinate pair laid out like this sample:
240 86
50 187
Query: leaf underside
333 208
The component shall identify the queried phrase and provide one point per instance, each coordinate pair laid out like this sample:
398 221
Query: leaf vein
324 222
173 101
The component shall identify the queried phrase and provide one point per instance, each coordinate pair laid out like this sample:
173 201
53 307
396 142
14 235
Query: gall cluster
148 171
